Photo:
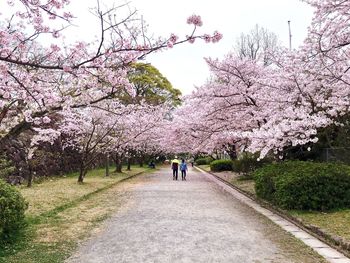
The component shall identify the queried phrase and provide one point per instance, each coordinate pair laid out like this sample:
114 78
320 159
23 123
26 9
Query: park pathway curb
329 253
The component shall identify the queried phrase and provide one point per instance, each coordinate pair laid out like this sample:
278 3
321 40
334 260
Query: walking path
189 221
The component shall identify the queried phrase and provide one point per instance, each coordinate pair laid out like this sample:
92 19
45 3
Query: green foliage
204 161
335 138
221 165
6 167
304 185
151 86
12 208
201 161
247 163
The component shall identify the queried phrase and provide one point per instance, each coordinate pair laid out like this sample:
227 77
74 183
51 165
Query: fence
338 154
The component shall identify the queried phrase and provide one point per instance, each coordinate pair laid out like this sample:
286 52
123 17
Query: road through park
188 221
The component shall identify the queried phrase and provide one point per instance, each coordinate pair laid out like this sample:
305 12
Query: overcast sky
184 65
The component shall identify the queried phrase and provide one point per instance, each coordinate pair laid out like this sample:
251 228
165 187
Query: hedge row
246 164
221 165
304 185
204 161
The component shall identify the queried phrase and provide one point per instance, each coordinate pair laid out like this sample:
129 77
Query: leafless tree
258 44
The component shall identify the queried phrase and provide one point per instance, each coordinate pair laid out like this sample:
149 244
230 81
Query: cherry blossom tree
37 80
88 131
265 108
42 76
95 132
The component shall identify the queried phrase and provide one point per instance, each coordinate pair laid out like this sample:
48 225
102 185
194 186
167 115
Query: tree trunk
129 164
61 157
107 164
81 176
233 155
115 159
82 172
118 163
30 177
61 164
231 150
141 161
119 168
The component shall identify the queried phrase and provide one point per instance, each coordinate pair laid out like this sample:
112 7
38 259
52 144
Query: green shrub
304 185
12 207
247 163
204 161
265 179
6 166
221 165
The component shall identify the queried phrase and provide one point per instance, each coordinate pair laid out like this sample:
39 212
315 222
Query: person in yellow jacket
175 167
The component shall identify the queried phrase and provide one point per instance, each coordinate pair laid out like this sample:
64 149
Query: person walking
183 169
175 167
191 160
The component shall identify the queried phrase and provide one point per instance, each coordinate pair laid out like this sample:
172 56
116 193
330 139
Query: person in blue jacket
183 169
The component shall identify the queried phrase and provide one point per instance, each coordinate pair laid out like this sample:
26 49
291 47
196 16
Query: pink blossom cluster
195 20
216 37
172 40
190 39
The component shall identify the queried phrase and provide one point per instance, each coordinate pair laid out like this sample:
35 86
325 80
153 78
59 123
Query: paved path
189 221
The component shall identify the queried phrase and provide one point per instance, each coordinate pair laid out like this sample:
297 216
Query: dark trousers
183 174
175 173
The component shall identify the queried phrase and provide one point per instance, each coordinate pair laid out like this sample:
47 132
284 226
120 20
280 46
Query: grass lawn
62 212
333 222
57 191
205 167
244 184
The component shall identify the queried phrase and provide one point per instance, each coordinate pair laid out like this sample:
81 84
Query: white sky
184 65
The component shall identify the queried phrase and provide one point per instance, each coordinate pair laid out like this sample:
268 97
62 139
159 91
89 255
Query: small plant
221 165
12 208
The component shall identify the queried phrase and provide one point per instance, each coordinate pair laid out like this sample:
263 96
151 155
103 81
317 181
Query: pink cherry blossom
216 37
173 38
207 38
195 20
170 44
46 120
